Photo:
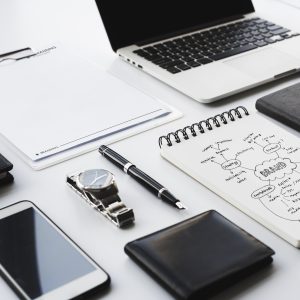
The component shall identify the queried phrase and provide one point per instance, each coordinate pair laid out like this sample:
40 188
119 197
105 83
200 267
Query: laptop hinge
187 30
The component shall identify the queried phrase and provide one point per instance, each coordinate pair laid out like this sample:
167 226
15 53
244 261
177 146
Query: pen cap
114 157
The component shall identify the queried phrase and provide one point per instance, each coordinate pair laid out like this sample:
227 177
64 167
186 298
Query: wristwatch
98 187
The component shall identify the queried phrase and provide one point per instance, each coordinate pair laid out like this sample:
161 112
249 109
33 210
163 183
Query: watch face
95 179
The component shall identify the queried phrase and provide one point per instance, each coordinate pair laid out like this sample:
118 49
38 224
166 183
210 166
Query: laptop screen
131 21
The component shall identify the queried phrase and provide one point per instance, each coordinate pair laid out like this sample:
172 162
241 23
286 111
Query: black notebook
283 105
200 256
5 167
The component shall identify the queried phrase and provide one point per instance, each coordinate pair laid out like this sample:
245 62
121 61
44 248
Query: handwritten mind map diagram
264 167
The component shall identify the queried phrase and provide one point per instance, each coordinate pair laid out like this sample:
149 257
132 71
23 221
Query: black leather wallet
283 105
5 167
199 257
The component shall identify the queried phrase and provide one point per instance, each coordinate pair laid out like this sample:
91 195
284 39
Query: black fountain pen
144 179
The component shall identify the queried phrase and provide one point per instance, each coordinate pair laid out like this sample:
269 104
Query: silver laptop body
216 61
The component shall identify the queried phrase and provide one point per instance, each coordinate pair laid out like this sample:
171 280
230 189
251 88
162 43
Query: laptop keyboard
197 49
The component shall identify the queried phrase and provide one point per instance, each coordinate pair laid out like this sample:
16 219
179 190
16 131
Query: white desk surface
76 24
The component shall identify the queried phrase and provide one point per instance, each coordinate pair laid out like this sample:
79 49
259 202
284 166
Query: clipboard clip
16 55
23 53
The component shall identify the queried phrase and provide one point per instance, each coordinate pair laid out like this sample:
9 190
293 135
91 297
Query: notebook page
251 163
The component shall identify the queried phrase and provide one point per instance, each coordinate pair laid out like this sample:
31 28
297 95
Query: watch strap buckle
118 213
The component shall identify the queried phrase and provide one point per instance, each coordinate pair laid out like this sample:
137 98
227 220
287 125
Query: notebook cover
5 166
283 105
200 256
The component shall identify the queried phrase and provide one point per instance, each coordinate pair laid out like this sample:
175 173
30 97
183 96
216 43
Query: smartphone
39 261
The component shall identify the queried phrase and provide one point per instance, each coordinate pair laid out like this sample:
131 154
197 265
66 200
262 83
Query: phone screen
37 256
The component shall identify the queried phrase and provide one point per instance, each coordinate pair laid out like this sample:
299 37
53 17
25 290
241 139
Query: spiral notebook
249 161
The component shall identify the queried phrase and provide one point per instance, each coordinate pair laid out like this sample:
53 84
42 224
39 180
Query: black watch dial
95 179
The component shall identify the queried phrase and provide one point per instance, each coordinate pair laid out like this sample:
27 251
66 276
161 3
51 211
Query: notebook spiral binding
192 129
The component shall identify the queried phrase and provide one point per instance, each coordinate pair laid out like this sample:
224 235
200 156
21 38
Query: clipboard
64 106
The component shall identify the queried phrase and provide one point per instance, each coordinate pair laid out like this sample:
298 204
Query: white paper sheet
57 102
294 3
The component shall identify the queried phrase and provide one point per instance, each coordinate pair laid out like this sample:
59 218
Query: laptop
207 49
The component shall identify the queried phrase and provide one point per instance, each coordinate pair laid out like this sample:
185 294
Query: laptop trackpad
265 63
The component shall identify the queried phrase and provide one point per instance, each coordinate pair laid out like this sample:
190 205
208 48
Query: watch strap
107 201
115 210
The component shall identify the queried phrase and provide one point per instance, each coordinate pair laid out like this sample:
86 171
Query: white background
76 24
